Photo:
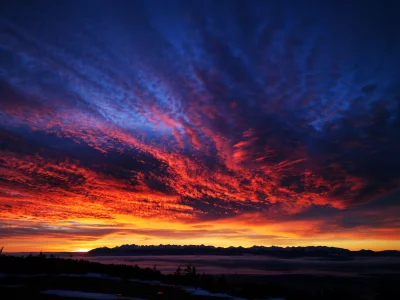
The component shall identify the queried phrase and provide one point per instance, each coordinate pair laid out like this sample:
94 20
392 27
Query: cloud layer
195 112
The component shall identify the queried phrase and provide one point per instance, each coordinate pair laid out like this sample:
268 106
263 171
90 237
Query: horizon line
201 245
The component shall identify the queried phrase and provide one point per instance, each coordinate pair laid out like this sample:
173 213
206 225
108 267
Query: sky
226 123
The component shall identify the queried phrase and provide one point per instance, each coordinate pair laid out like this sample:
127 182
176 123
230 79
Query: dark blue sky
201 111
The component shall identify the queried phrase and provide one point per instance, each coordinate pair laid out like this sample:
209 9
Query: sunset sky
199 122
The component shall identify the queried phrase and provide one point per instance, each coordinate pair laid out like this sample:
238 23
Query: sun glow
81 250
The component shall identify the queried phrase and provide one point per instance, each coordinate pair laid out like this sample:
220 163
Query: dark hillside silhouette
55 273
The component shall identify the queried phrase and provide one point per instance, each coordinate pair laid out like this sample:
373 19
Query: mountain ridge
306 251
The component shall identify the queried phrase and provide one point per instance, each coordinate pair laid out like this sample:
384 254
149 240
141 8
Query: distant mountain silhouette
287 252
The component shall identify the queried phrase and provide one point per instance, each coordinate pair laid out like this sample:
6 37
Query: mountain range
285 252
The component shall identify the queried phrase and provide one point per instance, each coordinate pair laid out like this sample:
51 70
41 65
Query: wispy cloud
208 112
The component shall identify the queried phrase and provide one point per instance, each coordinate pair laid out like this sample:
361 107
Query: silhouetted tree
178 271
190 270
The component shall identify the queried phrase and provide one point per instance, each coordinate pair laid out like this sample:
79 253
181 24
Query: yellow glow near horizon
244 231
81 250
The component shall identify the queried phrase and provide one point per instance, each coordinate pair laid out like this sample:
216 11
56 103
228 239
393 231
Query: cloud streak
197 112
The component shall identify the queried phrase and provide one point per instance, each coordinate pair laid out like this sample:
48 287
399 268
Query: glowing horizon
230 124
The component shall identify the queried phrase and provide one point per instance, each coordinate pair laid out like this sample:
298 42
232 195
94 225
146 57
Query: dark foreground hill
50 278
288 252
